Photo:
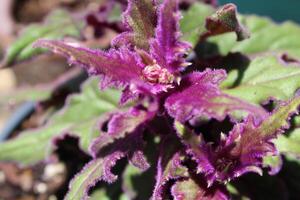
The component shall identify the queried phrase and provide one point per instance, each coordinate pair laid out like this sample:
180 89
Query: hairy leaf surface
266 77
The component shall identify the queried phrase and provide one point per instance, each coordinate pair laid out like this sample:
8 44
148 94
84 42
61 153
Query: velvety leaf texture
166 48
199 95
119 67
140 18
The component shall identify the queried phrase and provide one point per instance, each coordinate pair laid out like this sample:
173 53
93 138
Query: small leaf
57 25
225 21
80 118
140 18
265 78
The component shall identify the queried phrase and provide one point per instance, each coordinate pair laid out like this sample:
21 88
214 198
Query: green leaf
90 174
99 194
79 118
279 119
57 25
289 144
264 78
193 22
266 36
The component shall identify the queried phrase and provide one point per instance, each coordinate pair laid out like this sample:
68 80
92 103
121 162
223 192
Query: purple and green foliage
212 96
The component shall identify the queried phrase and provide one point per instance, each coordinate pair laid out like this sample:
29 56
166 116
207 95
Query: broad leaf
56 26
199 95
266 77
79 118
266 36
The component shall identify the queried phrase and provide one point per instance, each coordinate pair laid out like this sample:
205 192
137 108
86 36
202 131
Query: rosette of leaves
167 104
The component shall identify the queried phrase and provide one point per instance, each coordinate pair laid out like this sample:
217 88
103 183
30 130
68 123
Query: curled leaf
120 125
140 18
93 172
166 48
169 167
223 21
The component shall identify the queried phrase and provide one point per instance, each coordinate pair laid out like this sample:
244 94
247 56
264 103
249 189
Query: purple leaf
243 149
124 134
108 163
199 95
166 48
117 67
224 21
140 19
120 125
